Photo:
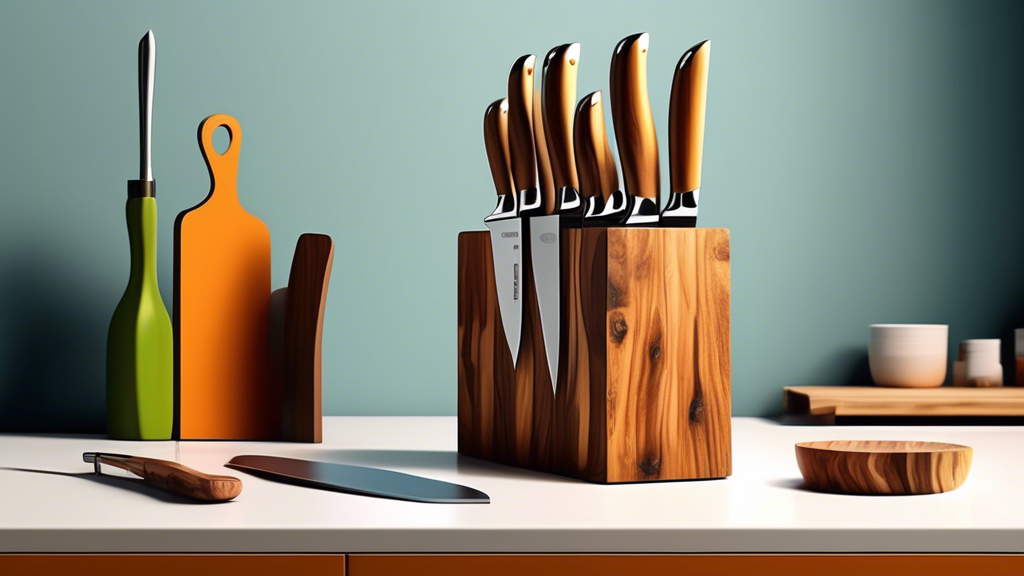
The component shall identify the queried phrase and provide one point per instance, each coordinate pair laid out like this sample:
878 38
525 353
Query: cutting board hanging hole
221 139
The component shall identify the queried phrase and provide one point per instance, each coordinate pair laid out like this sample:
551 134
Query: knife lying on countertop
558 99
359 480
686 135
634 129
171 476
599 178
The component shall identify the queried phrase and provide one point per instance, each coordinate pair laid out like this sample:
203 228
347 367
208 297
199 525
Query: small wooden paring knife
172 476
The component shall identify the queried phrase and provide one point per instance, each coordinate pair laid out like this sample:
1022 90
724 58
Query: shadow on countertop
433 460
132 484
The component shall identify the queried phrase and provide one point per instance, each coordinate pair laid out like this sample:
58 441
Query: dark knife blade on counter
358 480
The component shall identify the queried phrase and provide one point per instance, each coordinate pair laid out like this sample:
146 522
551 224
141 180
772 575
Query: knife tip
641 39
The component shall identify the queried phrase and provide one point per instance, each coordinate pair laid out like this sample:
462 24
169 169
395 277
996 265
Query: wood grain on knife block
883 467
179 479
877 401
643 390
306 300
223 387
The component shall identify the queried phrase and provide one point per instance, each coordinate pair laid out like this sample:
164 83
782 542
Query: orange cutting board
223 387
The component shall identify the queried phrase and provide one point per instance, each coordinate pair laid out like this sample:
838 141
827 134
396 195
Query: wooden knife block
644 378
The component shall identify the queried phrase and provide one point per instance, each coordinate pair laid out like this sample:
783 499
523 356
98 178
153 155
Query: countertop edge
477 541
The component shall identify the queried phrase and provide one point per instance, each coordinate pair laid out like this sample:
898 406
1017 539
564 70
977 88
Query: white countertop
761 508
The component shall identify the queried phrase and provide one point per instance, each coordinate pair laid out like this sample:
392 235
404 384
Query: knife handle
172 476
223 167
558 103
520 129
594 161
496 145
686 113
632 118
547 185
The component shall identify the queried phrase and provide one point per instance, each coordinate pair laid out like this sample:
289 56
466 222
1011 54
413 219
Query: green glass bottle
140 343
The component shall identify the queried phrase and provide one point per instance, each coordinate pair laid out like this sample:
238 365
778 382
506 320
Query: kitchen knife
605 202
634 129
505 226
558 99
171 476
686 135
515 121
359 480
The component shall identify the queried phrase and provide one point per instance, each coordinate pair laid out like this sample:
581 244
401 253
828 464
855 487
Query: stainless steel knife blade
558 100
359 480
505 226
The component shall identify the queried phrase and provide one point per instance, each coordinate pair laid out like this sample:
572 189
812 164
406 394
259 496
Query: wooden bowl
883 467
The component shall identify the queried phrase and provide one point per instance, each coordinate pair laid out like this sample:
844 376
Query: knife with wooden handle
605 202
521 145
171 476
558 99
634 129
496 145
547 186
686 135
504 224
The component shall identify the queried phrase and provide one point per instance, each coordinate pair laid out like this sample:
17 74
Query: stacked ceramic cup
978 364
908 355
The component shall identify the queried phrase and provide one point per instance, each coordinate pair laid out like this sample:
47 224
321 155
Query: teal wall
865 155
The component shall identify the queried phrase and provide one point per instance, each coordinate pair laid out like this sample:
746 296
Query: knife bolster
613 211
681 211
531 203
505 209
642 212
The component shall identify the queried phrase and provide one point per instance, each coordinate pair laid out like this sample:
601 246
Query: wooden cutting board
868 401
223 386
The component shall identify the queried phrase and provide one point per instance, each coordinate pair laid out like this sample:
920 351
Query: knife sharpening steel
644 378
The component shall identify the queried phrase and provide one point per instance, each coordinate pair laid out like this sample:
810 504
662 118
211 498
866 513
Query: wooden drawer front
173 564
683 565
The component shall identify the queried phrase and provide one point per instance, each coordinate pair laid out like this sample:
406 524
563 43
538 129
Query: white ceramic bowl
908 355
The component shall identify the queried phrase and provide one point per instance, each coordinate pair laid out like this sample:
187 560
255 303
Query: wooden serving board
872 401
306 301
223 383
877 467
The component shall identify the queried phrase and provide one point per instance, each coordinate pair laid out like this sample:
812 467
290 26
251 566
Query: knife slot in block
643 388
